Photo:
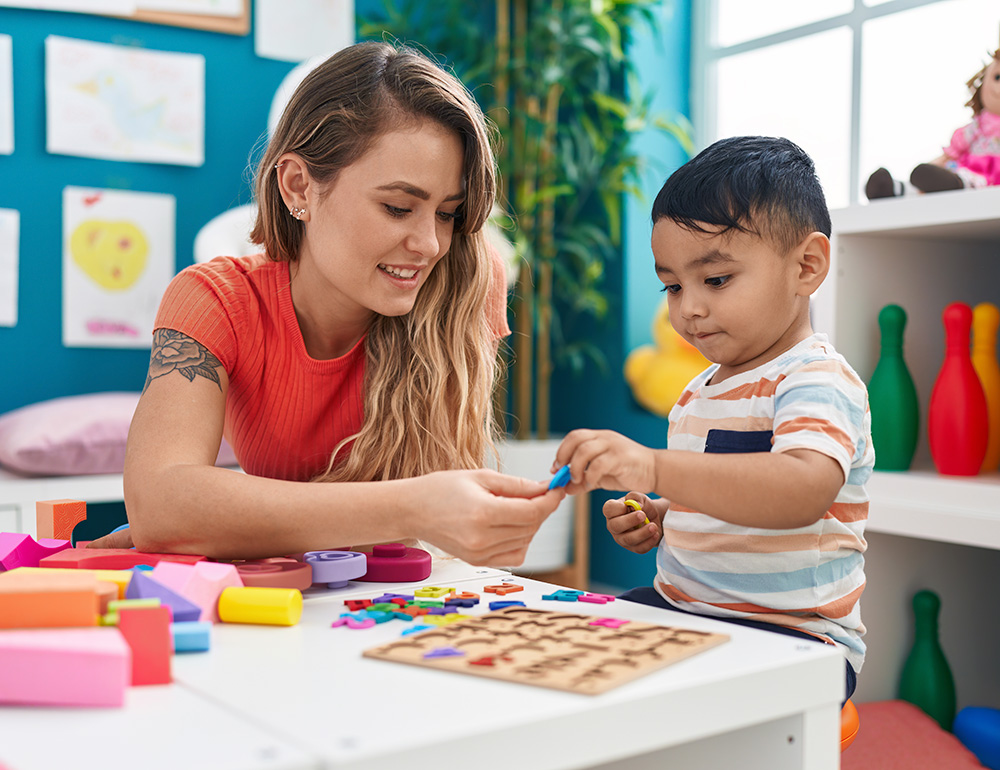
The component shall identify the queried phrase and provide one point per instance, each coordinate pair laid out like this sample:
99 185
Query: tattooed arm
178 501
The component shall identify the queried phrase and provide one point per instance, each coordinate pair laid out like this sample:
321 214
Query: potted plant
556 81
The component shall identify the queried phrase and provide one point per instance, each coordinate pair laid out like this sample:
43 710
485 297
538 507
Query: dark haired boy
761 502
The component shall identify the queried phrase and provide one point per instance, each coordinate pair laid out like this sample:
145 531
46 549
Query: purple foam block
142 586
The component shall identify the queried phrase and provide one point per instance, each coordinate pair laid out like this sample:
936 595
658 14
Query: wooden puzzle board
562 650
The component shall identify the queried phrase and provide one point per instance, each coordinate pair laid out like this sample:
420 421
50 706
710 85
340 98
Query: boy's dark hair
762 185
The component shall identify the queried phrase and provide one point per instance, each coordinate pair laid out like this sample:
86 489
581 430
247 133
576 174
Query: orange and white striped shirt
808 578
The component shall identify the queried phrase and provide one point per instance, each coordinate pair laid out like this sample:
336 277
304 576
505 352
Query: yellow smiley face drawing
113 254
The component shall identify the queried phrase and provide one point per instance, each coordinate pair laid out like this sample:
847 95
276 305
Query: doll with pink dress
972 159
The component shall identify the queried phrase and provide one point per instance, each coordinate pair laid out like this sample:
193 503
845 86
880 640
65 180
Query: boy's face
732 296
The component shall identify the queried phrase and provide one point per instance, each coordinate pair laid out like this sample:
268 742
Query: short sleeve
496 302
203 302
822 405
961 140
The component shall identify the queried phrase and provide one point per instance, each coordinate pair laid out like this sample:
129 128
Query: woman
358 349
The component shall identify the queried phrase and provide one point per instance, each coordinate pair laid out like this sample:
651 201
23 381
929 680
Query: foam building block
24 551
275 573
112 558
145 587
147 631
64 667
261 605
34 599
120 577
57 518
192 636
395 563
200 583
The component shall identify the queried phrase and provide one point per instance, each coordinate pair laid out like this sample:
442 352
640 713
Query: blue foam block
191 636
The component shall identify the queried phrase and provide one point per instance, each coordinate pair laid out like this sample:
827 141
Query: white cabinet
922 253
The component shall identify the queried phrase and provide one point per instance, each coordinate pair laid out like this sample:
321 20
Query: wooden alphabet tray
565 651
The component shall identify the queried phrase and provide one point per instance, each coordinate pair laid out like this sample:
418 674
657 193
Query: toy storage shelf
922 253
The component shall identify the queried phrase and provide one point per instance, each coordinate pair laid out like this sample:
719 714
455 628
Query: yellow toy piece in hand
636 507
658 373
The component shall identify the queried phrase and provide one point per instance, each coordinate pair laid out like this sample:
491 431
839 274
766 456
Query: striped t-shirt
808 578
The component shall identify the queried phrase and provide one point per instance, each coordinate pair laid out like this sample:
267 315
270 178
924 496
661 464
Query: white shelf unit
922 253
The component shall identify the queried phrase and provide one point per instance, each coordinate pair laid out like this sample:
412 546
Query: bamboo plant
554 78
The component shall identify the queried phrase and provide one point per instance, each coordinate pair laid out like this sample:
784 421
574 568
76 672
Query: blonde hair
430 374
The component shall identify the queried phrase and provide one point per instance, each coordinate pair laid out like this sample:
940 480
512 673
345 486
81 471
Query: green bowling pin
892 397
926 680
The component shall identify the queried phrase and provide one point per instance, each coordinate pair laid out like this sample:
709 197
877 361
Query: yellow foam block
262 605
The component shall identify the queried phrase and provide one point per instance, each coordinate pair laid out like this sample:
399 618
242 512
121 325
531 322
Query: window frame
705 55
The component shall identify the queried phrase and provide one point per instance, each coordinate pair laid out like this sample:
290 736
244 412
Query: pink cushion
896 735
73 436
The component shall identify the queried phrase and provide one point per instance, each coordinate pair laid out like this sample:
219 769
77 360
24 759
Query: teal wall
603 399
238 91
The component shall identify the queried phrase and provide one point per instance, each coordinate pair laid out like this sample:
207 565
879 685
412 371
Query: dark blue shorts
648 595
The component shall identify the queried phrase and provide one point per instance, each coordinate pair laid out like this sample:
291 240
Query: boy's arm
771 490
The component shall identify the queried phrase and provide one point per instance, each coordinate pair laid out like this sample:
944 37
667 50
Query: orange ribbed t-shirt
285 411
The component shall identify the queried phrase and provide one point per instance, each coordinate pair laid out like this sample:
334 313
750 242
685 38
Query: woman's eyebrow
417 192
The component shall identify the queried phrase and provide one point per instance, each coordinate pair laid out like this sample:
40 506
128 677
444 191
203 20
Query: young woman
358 349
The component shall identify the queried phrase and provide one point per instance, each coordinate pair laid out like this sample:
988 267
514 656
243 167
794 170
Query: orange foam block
147 631
120 577
111 558
201 583
24 551
64 667
36 599
56 518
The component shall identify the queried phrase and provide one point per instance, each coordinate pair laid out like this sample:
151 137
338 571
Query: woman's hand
629 527
481 516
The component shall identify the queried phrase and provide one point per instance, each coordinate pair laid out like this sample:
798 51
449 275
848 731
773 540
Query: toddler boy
761 502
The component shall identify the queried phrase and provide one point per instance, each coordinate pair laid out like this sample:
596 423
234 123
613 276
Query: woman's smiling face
385 222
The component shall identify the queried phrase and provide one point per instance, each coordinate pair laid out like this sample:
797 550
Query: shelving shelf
922 253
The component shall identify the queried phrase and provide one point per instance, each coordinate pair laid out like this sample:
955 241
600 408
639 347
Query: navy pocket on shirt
725 442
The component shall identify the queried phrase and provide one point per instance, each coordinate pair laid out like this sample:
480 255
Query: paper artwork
206 7
6 96
124 103
116 7
10 223
296 30
118 257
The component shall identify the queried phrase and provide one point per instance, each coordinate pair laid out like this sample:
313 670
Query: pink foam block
24 551
65 667
200 583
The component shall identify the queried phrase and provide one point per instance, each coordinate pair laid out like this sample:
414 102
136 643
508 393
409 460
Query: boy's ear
813 261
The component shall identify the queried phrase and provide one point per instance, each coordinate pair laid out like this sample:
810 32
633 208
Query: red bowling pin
957 420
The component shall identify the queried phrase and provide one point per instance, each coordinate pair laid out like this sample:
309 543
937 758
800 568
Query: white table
306 698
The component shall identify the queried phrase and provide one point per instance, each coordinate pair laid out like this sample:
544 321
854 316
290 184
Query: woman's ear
295 184
813 260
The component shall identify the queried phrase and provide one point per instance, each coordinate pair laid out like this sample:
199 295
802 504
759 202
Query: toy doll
973 157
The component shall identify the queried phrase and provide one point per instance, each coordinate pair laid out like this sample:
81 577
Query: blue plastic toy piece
978 727
561 478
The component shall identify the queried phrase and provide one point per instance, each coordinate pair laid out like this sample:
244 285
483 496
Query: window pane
800 90
911 104
737 21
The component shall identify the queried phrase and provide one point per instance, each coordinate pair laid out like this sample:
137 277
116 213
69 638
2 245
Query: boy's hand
629 527
607 460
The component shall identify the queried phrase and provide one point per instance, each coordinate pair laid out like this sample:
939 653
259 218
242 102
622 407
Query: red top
285 411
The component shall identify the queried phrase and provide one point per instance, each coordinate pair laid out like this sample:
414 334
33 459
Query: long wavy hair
430 374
